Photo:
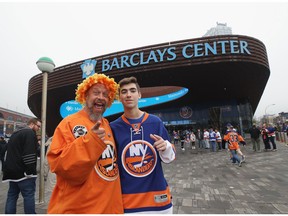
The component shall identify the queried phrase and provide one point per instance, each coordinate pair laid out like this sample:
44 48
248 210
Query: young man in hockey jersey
142 144
83 155
233 139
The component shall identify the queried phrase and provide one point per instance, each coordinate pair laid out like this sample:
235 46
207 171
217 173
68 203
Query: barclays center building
194 83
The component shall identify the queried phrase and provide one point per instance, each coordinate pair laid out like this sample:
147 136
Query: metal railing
282 137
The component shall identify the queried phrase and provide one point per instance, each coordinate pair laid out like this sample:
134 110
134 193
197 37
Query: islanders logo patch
106 167
79 130
139 158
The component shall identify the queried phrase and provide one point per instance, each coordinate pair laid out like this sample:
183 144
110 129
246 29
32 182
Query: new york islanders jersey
87 173
233 139
144 187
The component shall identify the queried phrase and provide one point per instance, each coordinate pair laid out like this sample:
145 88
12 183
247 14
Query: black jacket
199 135
21 158
255 133
3 148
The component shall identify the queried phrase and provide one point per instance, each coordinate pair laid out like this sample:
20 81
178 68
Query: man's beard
93 116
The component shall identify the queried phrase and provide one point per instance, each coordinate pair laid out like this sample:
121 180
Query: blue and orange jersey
144 187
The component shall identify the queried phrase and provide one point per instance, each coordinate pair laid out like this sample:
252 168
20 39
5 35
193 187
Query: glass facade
216 115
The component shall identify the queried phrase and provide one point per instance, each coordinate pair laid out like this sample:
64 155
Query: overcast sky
73 31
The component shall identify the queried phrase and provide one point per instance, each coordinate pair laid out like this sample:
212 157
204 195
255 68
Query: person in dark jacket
20 167
255 134
3 147
199 137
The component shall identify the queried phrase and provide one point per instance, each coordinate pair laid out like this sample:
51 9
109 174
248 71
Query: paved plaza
206 182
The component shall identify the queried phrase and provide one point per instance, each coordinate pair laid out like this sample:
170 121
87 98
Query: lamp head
45 64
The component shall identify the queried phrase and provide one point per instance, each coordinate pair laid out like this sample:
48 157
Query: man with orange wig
83 155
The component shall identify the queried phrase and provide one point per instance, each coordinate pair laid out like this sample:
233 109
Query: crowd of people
202 139
268 137
229 140
212 138
114 167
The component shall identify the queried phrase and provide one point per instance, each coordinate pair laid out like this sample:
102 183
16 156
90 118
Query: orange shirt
233 138
88 179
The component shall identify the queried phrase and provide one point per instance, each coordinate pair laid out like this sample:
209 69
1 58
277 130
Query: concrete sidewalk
207 183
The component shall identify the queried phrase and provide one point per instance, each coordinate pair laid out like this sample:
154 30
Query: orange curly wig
110 84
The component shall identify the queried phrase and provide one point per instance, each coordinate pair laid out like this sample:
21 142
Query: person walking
20 167
143 143
83 155
233 139
238 150
255 134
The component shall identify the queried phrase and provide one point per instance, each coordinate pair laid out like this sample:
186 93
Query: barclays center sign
187 51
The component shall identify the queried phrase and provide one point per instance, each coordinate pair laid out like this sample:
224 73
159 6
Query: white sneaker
243 158
240 163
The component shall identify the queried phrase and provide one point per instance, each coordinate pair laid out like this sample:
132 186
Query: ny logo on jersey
139 158
106 166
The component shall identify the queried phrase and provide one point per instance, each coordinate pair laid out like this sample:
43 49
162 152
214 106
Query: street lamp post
45 65
266 117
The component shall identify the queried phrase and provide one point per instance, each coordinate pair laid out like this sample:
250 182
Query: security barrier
282 137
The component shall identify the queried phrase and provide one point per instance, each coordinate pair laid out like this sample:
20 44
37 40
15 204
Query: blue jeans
234 156
27 188
213 145
272 140
201 144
